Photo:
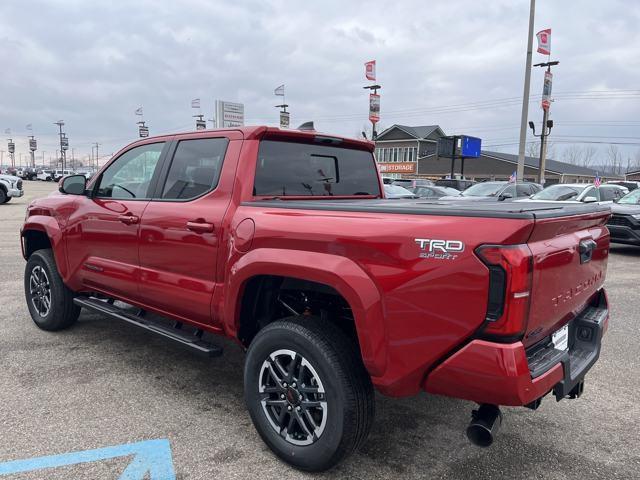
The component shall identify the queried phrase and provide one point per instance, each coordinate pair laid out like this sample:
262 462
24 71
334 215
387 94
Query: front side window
129 176
287 168
195 168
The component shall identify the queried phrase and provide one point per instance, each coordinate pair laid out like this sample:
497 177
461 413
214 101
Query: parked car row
622 196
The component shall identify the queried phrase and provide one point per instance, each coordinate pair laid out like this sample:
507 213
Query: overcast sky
459 64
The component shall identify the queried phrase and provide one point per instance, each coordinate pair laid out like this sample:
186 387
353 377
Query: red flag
370 70
544 41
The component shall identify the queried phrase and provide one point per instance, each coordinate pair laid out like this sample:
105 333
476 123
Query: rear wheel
3 196
49 300
308 393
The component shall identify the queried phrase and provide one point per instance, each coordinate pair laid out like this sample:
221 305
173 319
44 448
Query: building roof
421 131
553 166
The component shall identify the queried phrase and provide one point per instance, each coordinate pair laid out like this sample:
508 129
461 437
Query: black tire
62 312
3 196
349 401
7 200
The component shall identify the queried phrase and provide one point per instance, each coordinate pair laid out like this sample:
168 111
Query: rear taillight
510 278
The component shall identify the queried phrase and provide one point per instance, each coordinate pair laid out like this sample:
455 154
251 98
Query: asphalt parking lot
103 384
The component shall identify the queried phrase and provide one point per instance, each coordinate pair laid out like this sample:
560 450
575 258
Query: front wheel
3 196
49 300
308 393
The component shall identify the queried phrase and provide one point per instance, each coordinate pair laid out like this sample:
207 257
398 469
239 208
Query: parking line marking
152 457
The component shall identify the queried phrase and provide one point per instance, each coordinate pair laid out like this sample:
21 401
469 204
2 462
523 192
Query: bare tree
614 158
588 154
532 149
572 154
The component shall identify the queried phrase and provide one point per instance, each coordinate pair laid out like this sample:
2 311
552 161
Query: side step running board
192 341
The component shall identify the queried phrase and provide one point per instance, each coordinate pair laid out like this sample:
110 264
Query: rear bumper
14 192
509 374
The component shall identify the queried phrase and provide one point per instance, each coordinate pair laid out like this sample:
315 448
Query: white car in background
45 175
579 192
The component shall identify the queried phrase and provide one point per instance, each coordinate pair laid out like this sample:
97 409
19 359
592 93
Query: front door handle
129 219
199 226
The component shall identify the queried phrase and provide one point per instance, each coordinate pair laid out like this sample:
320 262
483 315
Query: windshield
488 189
397 190
559 192
632 198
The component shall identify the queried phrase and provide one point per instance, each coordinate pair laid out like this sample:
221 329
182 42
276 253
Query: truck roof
274 133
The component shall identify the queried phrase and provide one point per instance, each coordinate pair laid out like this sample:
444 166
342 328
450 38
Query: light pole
33 146
64 143
97 157
12 155
374 116
546 123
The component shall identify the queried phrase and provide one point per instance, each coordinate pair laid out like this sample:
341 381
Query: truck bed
520 210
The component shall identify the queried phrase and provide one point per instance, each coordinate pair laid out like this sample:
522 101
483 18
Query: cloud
94 63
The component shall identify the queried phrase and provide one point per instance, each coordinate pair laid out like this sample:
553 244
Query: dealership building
633 175
412 152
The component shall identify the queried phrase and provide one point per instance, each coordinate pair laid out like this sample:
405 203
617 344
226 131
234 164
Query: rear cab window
300 169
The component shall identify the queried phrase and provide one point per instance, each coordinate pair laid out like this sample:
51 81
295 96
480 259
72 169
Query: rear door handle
129 219
200 226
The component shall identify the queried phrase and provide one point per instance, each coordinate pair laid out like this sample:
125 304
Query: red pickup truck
283 241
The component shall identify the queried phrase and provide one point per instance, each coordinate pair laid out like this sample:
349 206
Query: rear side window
195 168
286 168
609 193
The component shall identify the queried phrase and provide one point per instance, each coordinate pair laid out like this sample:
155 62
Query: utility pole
525 95
546 123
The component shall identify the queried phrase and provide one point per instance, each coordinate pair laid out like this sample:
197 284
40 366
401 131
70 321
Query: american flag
597 180
513 177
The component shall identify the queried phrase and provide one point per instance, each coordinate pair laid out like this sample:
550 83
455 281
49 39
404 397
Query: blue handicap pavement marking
151 457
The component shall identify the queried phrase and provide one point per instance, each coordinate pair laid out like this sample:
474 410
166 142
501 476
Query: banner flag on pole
279 91
370 70
513 177
138 111
195 103
374 107
544 41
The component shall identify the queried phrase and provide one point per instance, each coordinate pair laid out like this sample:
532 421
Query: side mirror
589 199
73 185
505 196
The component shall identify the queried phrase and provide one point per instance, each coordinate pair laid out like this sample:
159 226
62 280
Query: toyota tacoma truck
10 187
282 241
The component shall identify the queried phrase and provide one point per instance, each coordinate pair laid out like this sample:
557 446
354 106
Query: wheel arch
41 233
340 274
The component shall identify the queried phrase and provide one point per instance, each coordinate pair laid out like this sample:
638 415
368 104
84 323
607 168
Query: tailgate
569 266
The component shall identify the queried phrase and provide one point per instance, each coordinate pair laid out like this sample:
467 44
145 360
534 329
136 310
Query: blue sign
151 459
470 146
